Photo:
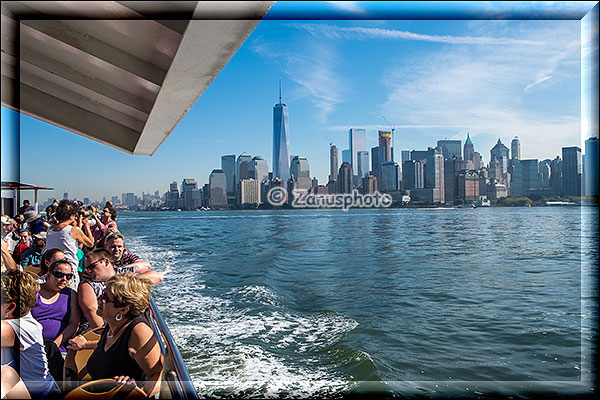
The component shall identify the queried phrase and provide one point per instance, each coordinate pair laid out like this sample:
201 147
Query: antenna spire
279 90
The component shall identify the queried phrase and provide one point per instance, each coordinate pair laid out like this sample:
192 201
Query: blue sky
431 79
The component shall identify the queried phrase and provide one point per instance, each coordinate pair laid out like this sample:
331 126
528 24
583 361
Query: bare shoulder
140 336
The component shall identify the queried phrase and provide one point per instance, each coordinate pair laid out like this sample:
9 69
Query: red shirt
18 252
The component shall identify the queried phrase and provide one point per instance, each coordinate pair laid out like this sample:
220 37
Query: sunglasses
105 299
59 275
92 265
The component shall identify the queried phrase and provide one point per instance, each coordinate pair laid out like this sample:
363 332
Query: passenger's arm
144 349
153 276
141 266
8 335
88 302
84 236
7 260
80 343
71 328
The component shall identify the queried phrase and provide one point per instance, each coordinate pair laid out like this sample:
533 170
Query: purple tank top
54 317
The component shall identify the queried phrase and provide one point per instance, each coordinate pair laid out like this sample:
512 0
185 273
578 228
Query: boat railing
177 377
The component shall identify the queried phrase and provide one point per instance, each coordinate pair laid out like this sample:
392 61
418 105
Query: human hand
124 379
77 343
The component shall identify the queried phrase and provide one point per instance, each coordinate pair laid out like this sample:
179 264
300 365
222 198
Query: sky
431 79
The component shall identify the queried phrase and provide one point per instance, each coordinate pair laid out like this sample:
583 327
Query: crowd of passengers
63 274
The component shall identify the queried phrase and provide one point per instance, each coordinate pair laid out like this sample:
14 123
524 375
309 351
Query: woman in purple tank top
56 308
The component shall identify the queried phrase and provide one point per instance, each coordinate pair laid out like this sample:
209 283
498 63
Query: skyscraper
258 169
242 167
450 148
515 149
217 188
591 167
228 168
468 149
375 162
357 139
345 178
346 157
500 153
281 140
333 162
363 163
390 176
404 156
571 171
525 177
413 175
434 172
385 146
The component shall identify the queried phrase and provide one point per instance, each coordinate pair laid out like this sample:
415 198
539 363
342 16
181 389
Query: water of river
328 303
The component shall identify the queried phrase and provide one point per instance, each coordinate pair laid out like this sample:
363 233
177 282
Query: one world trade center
281 141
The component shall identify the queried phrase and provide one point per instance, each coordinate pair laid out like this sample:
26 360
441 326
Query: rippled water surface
325 302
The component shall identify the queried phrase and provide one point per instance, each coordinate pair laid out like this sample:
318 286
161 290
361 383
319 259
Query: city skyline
507 78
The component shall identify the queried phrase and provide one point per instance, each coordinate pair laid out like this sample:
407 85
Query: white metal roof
120 73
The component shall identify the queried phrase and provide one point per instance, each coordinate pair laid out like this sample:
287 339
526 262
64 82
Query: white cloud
312 64
348 6
537 82
362 33
480 89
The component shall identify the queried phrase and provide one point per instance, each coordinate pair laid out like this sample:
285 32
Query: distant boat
560 203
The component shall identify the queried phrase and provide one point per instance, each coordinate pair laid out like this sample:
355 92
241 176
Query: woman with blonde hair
128 350
22 340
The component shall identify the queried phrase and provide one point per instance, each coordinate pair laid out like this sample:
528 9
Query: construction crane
393 128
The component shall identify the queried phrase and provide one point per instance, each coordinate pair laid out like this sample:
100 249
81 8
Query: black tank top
116 361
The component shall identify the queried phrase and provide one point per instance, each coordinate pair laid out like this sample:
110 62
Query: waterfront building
363 163
242 167
591 167
128 199
525 177
332 186
228 167
452 167
217 189
468 149
299 168
496 190
281 140
369 184
346 156
434 171
375 162
390 176
413 175
500 153
271 183
418 155
357 139
192 197
556 176
172 198
404 156
258 169
515 149
468 185
333 162
300 172
249 192
571 171
385 146
544 168
345 178
450 148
